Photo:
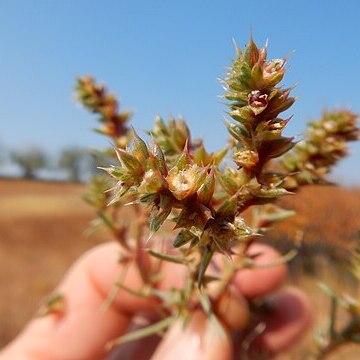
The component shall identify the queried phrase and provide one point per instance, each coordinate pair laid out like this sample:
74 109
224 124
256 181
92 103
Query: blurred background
159 58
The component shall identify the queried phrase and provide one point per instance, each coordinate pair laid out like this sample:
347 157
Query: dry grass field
42 231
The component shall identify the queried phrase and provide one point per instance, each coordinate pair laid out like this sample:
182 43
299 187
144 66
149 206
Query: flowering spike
324 144
256 101
96 98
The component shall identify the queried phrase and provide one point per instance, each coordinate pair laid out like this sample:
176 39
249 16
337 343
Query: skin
83 331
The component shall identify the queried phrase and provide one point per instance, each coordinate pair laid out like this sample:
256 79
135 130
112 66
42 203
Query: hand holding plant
83 330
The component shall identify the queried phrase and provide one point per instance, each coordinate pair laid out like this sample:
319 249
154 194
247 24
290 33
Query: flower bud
273 66
186 182
152 182
246 158
257 101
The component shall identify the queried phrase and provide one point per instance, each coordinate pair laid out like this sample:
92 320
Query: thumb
201 339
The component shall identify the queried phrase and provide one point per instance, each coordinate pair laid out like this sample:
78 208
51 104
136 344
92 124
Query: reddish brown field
42 232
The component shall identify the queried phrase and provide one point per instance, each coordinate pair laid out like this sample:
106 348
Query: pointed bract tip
236 47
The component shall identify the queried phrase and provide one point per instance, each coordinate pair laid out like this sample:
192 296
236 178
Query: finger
201 339
290 316
257 282
84 329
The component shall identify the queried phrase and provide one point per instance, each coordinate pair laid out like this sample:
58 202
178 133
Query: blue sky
164 57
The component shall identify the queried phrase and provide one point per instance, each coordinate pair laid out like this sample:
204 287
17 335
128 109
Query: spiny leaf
140 147
206 190
238 132
243 115
228 183
167 257
193 216
129 161
277 147
207 256
219 156
183 237
269 193
206 305
143 332
148 198
143 293
159 155
251 53
106 219
228 208
183 160
159 214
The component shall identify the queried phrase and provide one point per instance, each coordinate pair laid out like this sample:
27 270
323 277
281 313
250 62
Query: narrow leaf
106 219
206 190
207 256
219 156
159 155
228 208
143 332
183 237
229 184
238 132
167 257
140 148
160 213
206 305
128 161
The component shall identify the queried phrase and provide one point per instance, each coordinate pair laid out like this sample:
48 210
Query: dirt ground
42 231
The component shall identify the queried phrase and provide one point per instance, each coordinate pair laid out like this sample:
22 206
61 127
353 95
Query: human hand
84 330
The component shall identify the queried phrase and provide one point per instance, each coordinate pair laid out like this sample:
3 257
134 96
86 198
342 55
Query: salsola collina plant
175 179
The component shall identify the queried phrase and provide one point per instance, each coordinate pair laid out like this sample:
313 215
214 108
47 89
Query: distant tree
30 160
2 153
75 162
99 159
